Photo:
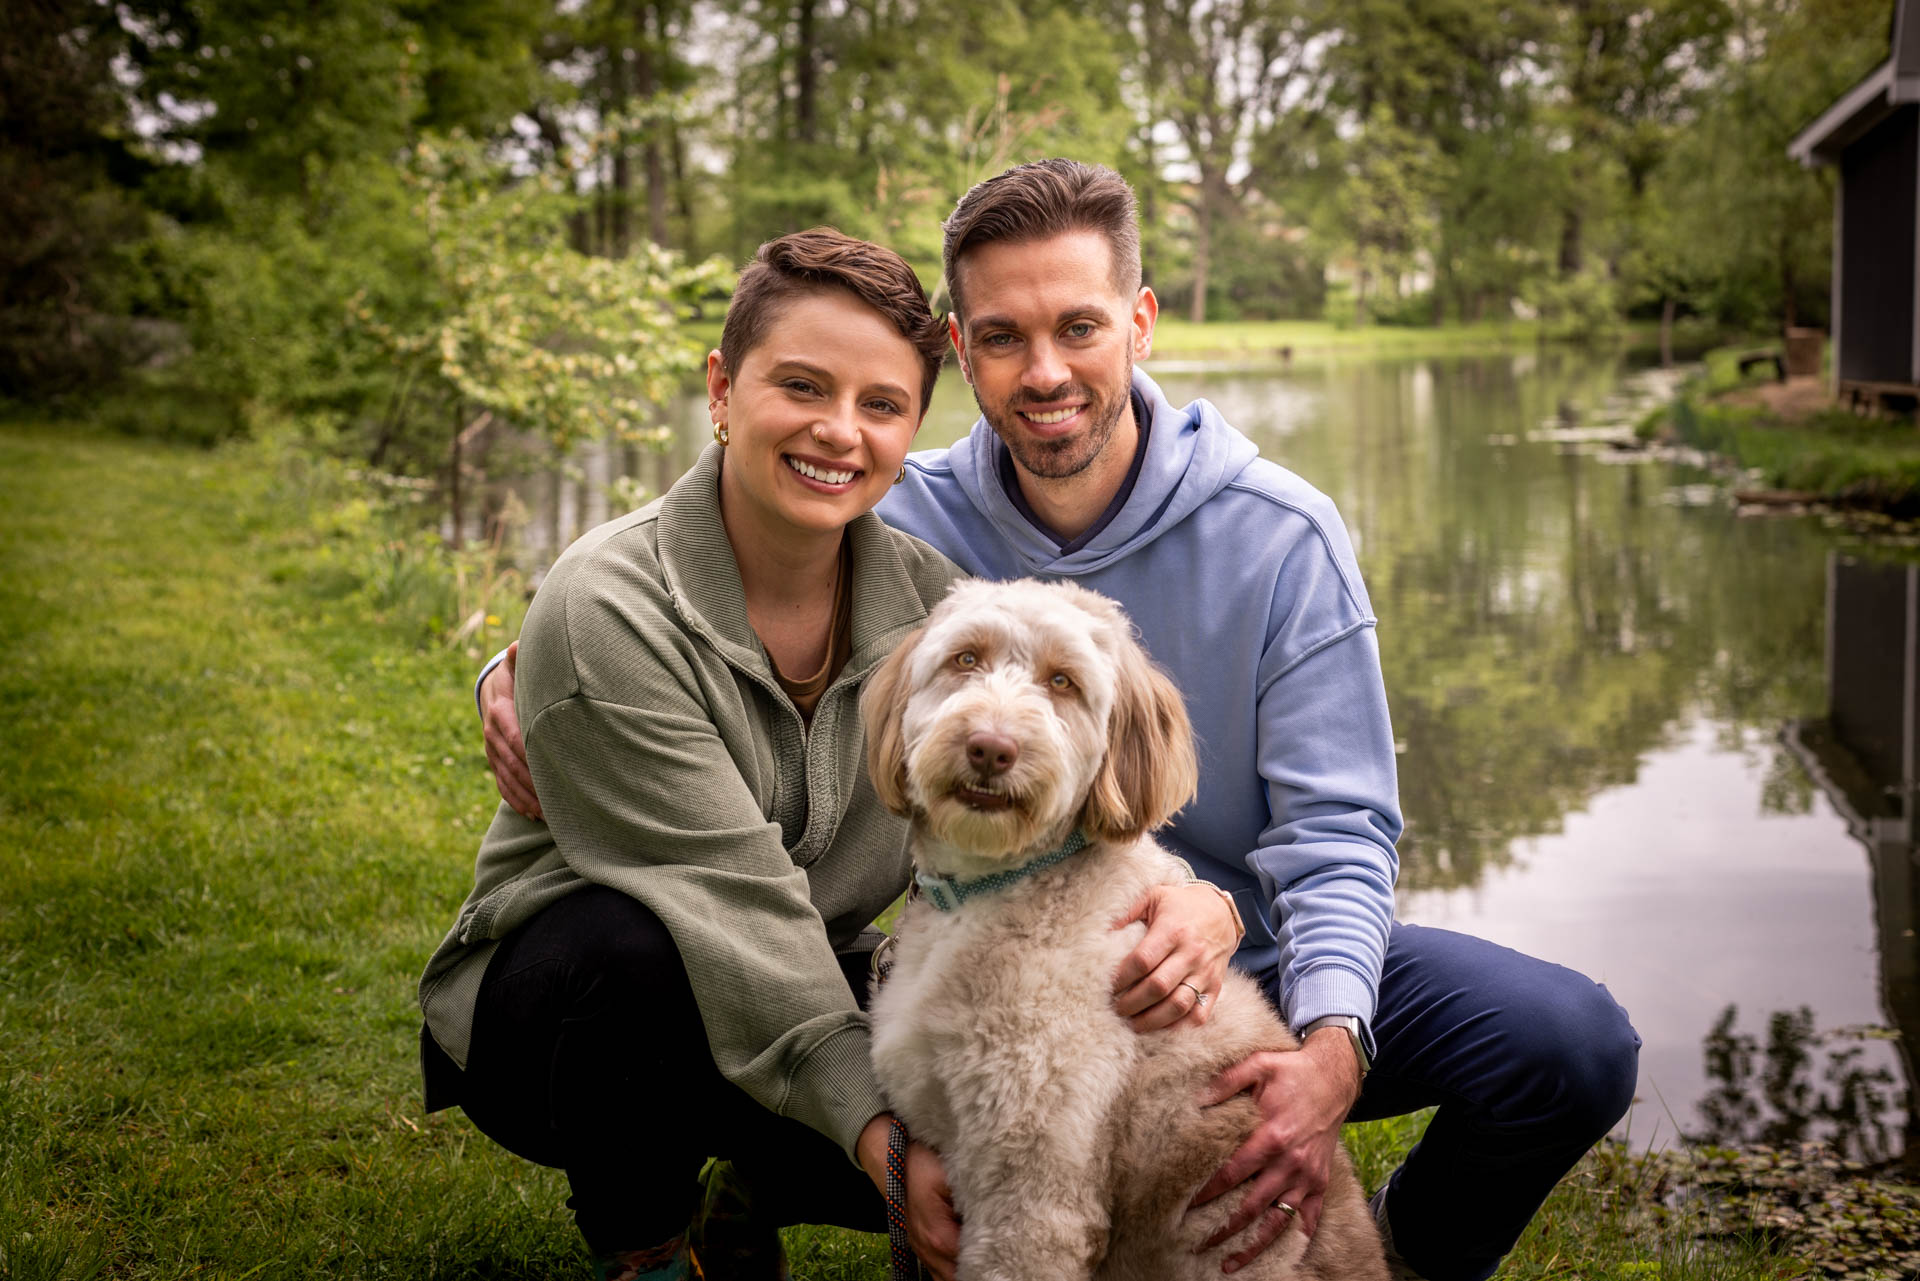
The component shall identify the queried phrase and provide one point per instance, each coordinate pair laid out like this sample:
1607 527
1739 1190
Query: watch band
1356 1036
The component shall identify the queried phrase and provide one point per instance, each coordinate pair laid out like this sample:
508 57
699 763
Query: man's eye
1080 329
966 658
1061 682
998 340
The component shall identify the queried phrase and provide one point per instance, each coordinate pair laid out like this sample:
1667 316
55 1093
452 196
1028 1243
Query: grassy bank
242 804
1264 341
1796 440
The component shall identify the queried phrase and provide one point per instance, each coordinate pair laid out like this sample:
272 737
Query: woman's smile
826 477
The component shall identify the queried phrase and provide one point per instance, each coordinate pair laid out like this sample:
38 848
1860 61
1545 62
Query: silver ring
1285 1209
1203 998
1198 995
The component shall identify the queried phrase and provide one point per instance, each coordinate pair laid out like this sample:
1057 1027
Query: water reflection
1807 1086
1864 756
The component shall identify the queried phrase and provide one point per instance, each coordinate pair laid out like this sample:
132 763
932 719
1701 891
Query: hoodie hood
1192 454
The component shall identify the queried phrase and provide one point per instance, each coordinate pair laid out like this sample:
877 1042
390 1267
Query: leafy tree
1387 204
1456 82
66 217
1755 227
909 104
528 330
1217 72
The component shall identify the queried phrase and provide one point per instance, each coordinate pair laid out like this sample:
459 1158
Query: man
1243 584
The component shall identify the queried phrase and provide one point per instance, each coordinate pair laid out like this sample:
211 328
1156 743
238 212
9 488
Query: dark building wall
1877 212
1868 665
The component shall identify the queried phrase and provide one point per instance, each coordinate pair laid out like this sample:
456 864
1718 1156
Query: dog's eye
966 658
1061 682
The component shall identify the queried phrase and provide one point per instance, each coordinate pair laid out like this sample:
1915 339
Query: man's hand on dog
1190 938
1303 1097
506 753
933 1230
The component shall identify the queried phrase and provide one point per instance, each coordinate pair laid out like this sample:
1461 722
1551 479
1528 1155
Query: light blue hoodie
1243 584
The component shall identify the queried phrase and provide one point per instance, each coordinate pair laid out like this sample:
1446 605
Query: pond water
1639 735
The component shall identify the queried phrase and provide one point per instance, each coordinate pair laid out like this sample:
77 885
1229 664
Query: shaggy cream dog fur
1073 1144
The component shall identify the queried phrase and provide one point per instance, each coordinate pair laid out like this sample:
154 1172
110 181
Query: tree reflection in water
1777 1100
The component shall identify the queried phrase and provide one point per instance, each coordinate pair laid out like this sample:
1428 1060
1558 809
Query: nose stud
991 754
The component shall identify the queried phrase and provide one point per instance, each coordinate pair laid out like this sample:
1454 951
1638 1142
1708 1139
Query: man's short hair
810 262
1043 199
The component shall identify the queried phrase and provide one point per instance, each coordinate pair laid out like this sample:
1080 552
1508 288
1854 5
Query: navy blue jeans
1530 1064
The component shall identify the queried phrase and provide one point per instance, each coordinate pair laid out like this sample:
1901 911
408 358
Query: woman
666 969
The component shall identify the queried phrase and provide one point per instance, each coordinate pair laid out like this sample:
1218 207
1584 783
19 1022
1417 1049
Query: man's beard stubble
1070 455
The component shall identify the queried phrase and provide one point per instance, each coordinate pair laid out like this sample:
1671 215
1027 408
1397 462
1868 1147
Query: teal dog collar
947 893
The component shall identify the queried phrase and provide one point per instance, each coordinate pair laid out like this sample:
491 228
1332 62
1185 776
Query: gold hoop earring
720 434
901 479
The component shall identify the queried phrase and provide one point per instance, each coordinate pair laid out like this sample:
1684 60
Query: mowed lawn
241 798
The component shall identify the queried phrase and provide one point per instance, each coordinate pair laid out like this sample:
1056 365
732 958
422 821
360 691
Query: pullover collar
704 578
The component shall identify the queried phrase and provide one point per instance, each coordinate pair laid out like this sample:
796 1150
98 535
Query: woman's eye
1061 681
800 385
883 407
966 658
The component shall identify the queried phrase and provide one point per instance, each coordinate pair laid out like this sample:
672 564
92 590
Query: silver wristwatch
1356 1036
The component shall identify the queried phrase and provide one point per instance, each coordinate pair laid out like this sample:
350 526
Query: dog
1021 719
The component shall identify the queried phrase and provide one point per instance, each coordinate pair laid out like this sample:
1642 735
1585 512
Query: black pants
588 1054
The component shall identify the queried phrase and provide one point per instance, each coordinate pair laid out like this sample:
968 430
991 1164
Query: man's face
1048 343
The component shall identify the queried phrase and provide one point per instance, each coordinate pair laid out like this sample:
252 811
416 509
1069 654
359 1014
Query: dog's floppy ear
1151 769
881 704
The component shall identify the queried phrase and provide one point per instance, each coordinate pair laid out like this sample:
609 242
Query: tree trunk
683 193
621 196
1667 308
1572 248
652 155
806 75
1202 254
1789 309
454 513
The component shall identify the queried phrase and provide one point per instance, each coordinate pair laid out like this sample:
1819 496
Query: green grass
1261 341
1846 459
240 806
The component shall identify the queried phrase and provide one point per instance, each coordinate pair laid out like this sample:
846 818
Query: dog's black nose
991 753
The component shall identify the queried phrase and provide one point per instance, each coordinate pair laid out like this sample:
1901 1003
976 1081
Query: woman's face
819 416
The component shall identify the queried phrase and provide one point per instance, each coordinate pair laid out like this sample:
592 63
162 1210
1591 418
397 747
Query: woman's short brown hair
809 262
1043 199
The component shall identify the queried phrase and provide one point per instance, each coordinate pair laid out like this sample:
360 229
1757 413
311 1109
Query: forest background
385 221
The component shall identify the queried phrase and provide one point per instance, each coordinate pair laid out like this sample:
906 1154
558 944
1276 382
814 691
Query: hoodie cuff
833 1089
1333 990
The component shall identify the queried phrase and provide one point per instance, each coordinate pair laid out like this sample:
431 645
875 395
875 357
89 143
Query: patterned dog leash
906 1264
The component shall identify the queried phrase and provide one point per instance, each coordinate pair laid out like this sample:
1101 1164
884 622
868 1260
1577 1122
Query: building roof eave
1858 110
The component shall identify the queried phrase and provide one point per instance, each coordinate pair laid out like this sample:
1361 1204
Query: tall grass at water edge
243 798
